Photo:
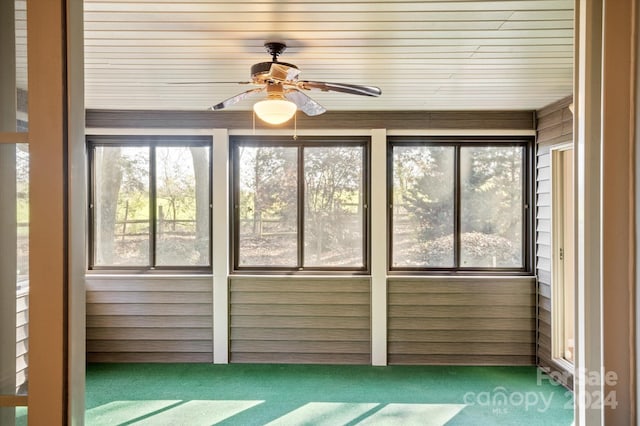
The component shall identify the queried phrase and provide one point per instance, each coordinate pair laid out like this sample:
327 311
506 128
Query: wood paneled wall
508 120
149 319
555 126
300 320
472 320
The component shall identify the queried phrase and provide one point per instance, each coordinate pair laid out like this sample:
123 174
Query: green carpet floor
241 394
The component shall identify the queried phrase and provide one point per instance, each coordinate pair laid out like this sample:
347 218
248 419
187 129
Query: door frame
558 200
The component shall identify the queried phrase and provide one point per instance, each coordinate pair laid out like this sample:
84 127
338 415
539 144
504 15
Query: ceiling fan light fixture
275 111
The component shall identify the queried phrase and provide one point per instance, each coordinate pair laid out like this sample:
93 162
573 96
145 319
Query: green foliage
332 181
423 186
490 204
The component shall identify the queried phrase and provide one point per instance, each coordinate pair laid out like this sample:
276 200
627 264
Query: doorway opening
563 302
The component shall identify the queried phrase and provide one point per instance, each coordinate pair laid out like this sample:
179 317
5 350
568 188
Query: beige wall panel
148 297
544 276
148 346
466 359
265 285
148 309
155 321
459 285
522 120
466 348
544 303
555 125
469 336
150 357
492 311
22 338
298 310
544 289
148 333
305 323
300 320
303 298
466 321
544 329
553 119
470 299
543 237
544 316
149 319
22 333
301 334
22 348
298 358
544 341
149 284
448 324
22 318
302 347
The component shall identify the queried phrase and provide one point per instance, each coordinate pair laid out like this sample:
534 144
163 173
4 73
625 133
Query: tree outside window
458 205
150 204
300 206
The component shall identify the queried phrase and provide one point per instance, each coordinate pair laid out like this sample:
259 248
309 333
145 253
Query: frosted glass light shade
275 111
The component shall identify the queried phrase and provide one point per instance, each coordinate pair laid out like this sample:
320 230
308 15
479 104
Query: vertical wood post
46 40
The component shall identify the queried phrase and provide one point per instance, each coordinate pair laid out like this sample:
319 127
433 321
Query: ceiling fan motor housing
261 72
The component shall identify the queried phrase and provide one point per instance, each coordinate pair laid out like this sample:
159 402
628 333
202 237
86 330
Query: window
150 203
300 205
459 205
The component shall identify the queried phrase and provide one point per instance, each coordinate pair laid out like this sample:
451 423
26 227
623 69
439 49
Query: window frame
152 142
300 143
528 207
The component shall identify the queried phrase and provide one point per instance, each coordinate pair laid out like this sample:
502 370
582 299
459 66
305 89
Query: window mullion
301 206
527 207
152 206
365 197
92 210
456 208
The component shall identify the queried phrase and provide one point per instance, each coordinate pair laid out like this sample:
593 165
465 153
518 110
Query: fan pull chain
254 123
295 126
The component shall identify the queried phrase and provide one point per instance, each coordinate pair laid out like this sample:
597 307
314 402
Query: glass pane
182 202
22 120
22 268
333 211
14 270
121 206
13 67
268 207
423 206
491 206
10 416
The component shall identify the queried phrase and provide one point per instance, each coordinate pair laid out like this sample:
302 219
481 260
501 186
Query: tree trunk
106 209
201 172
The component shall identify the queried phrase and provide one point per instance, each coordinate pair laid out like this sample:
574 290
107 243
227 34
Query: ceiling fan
285 91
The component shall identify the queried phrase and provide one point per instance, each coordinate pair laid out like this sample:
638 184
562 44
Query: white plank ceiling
424 55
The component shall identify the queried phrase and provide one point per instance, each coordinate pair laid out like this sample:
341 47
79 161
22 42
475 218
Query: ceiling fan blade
354 89
304 102
207 82
235 99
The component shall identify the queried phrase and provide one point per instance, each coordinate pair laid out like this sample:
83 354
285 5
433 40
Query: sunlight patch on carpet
192 413
118 412
324 413
414 414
